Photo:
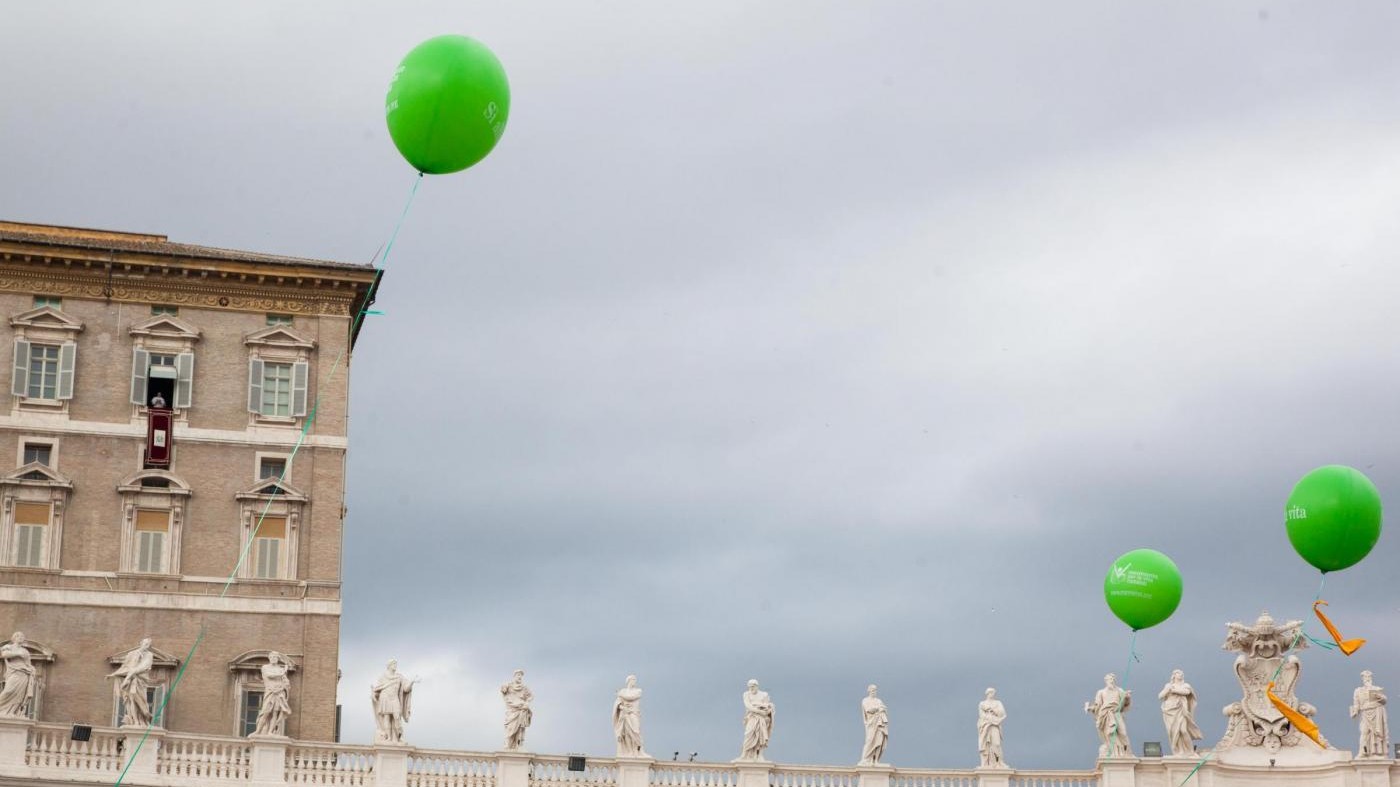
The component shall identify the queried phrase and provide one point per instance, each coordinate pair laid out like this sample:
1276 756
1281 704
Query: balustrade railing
1054 779
930 778
428 768
812 776
350 766
551 771
694 774
50 748
204 758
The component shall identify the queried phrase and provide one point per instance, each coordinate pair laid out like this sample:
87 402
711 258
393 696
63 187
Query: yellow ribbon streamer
1348 646
1300 722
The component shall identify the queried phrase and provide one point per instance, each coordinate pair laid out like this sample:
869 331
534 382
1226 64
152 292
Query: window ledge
146 575
47 404
268 582
276 420
34 570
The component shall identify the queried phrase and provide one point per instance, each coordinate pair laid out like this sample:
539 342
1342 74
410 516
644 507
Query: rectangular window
167 310
31 529
43 371
38 452
48 300
248 712
279 319
268 541
152 534
276 389
271 468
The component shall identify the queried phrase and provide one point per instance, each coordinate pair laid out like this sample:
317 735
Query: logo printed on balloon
447 105
1297 512
1142 588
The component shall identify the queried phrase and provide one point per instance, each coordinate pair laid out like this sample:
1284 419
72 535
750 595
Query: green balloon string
301 440
1127 674
1296 637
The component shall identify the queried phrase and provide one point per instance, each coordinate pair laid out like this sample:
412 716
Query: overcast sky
819 343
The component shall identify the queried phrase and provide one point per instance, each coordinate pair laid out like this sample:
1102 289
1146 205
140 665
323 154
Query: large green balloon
1143 588
1334 517
447 104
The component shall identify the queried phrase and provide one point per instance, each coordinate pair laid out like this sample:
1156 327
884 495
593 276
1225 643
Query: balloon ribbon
1348 646
1300 722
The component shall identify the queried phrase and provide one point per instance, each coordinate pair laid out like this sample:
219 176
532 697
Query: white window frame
260 456
44 325
259 502
24 440
163 334
51 488
136 496
278 344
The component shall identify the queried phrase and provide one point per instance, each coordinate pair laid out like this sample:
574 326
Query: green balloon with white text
1333 517
1143 588
448 104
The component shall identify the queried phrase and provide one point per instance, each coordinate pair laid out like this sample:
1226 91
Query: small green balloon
1333 517
447 104
1143 588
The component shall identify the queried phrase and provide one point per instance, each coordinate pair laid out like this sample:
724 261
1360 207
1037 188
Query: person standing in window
18 687
158 401
276 701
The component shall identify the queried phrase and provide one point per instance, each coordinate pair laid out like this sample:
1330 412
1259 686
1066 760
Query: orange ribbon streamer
1348 646
1300 722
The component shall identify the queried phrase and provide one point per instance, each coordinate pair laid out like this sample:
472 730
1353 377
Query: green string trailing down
286 468
1277 672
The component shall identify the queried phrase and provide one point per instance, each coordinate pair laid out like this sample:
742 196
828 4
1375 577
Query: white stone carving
627 719
134 677
276 701
758 723
877 727
392 698
1107 708
1368 706
19 682
1264 658
517 697
1179 715
990 715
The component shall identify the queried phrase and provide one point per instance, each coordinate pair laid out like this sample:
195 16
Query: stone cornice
213 284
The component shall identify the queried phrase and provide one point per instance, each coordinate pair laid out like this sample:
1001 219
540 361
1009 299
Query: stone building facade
99 544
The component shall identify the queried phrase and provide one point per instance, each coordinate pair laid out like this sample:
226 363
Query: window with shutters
153 513
33 499
162 364
45 358
271 515
279 376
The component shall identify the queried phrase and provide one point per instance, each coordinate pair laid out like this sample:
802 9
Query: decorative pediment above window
254 660
36 475
279 337
156 482
46 322
167 330
38 652
275 489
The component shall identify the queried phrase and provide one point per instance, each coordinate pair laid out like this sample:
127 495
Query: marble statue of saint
1179 714
134 678
18 687
518 716
276 701
877 727
758 722
627 719
1368 705
392 698
1107 708
990 714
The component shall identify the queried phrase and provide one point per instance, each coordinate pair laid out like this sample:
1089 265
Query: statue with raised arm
517 697
276 701
877 727
1368 705
392 698
758 722
990 715
134 678
627 719
1107 708
1179 714
18 688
